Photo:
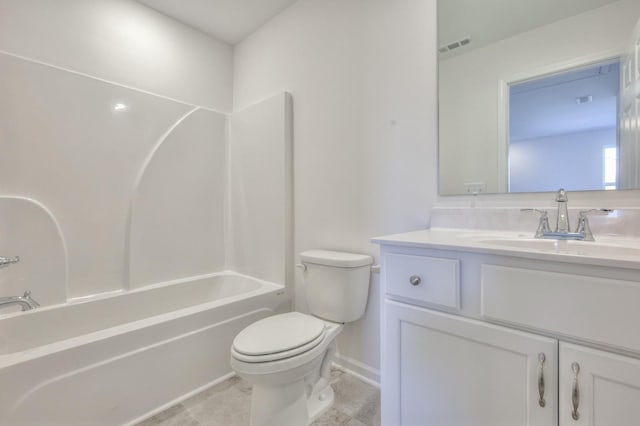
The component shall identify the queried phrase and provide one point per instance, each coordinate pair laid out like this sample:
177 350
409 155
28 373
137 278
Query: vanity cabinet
608 388
443 370
474 339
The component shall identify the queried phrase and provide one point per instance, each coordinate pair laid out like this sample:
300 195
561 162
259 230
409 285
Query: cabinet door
608 388
445 370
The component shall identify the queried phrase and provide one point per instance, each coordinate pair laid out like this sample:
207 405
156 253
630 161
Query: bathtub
116 359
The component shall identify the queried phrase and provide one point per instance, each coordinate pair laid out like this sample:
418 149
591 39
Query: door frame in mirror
504 82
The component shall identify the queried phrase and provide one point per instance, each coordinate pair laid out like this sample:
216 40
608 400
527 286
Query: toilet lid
279 333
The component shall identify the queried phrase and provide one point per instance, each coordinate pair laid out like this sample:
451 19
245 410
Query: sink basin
572 247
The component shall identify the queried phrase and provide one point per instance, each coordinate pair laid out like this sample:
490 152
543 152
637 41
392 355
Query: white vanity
486 328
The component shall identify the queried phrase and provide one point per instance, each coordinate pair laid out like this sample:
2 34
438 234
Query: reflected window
610 167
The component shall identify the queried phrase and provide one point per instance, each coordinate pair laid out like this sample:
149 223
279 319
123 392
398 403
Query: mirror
536 95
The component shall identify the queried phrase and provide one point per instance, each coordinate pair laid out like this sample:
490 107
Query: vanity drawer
600 310
427 279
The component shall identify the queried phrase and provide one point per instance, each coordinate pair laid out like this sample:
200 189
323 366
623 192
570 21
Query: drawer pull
541 359
575 391
415 280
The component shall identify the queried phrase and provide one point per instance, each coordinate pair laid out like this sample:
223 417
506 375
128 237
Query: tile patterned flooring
228 403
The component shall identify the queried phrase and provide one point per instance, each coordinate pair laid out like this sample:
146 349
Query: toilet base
284 406
289 406
319 403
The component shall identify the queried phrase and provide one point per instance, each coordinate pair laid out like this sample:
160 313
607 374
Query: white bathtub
115 360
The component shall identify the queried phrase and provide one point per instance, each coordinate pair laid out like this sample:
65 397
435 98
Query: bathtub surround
24 222
124 42
136 183
181 183
259 224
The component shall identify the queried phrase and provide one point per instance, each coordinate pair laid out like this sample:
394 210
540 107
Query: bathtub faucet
25 301
8 261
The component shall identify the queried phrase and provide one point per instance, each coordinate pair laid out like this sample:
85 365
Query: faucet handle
543 224
27 296
583 222
6 261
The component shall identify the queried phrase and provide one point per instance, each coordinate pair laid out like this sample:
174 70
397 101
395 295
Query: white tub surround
114 360
128 190
499 327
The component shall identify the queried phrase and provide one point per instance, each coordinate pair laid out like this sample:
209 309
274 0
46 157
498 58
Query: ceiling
226 20
485 21
548 106
488 21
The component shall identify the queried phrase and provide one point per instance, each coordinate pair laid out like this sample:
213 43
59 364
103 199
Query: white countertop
615 252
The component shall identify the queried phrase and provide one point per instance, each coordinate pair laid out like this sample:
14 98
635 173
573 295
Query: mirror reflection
537 95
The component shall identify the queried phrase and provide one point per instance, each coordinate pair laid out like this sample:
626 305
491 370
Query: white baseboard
358 369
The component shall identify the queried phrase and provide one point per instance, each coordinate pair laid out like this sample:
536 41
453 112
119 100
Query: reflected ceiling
484 21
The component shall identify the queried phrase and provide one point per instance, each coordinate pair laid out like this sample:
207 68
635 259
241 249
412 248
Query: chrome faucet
26 301
562 232
562 221
8 261
583 222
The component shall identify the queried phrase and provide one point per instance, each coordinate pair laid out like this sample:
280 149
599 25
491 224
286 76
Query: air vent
454 45
584 99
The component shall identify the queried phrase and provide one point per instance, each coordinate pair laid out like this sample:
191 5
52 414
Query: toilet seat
278 337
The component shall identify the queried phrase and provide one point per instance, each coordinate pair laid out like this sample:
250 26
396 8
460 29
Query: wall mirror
536 95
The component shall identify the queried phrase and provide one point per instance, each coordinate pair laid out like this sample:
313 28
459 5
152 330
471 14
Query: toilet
287 357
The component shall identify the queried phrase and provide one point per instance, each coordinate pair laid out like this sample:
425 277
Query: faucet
8 261
562 232
26 301
562 221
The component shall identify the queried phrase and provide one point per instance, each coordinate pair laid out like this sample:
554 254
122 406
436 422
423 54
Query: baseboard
358 369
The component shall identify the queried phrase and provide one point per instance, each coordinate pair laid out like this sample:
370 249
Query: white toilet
287 357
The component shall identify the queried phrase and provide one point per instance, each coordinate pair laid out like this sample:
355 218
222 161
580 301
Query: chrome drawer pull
575 391
415 280
541 358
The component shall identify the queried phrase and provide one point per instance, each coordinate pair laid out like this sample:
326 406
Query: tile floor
227 404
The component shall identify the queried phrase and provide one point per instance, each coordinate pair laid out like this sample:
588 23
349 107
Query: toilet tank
336 284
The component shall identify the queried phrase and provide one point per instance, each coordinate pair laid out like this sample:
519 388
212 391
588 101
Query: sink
571 247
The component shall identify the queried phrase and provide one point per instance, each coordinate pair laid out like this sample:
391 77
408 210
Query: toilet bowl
290 370
287 357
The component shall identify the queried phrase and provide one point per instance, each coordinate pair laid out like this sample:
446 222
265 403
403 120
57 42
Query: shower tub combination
117 359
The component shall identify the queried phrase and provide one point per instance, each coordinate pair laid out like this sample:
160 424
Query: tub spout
25 301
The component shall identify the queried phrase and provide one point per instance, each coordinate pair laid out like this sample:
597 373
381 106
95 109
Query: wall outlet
475 187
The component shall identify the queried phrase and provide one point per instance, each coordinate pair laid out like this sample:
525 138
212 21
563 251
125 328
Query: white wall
362 74
468 124
574 161
124 42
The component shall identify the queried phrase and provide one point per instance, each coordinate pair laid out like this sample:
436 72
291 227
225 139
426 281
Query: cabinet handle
541 359
575 391
415 280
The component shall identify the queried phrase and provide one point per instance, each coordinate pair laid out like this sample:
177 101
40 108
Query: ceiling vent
454 45
584 99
